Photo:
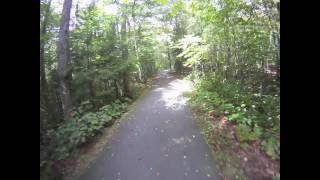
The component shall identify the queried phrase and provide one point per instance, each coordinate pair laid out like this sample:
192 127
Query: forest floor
234 160
157 139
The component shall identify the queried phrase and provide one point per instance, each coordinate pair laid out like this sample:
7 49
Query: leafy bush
115 109
272 147
79 129
241 106
84 107
244 133
75 132
236 117
227 107
256 116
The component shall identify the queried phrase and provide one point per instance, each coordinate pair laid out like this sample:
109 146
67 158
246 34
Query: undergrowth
78 130
256 116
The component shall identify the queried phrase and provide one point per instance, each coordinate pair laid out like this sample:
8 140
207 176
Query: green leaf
244 133
272 147
235 117
162 2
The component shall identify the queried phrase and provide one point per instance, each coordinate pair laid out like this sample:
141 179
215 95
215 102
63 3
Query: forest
98 56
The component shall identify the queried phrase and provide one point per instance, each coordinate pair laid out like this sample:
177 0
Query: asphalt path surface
160 141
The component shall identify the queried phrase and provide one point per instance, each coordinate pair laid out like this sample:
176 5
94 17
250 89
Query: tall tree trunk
134 30
63 60
89 65
116 89
135 39
77 16
124 48
43 78
168 52
278 57
228 63
263 83
278 45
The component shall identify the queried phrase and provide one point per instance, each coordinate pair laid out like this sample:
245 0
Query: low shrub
80 128
256 115
244 133
272 147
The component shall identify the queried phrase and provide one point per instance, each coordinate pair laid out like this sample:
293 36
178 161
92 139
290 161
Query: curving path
160 141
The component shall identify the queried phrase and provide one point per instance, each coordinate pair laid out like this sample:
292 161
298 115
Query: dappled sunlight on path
159 142
172 96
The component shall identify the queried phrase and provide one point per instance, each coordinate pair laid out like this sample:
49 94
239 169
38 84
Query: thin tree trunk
43 78
77 16
134 31
63 60
278 45
227 66
89 66
116 89
278 57
263 84
168 52
135 38
126 90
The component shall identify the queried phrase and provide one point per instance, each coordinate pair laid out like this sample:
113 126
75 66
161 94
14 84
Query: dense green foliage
83 126
110 58
235 66
96 56
256 115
